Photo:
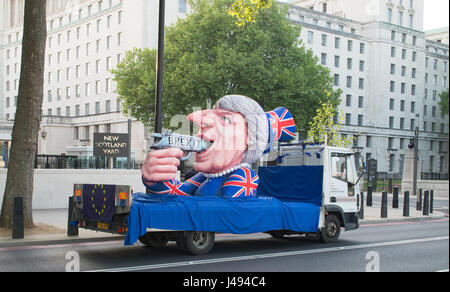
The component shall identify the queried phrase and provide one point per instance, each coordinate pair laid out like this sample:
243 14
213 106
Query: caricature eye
226 120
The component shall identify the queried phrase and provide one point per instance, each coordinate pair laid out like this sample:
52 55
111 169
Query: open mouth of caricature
209 143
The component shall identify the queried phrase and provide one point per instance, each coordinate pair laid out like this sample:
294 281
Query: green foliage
207 56
323 129
247 10
443 103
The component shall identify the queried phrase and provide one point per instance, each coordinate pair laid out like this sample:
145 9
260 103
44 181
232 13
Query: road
399 247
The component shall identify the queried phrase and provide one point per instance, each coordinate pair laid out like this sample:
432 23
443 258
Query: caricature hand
161 165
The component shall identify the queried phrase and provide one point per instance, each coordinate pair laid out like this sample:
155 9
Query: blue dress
241 182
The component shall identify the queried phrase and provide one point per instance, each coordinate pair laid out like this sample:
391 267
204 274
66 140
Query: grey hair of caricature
257 123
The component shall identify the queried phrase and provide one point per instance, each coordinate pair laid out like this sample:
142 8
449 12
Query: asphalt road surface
398 247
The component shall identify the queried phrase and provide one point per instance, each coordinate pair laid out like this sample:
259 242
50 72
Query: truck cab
341 197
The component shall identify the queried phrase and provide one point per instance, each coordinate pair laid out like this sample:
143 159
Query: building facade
390 74
86 39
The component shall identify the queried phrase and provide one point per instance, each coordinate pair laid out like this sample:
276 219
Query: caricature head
237 128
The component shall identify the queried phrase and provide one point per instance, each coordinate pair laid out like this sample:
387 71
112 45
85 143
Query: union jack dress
243 182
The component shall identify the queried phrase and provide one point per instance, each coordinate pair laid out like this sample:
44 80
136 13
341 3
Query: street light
160 68
415 145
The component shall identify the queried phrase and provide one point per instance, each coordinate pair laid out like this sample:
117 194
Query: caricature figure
239 132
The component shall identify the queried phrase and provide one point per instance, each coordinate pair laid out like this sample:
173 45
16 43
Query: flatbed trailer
312 190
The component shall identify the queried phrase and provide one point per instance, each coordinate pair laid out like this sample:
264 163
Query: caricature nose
203 119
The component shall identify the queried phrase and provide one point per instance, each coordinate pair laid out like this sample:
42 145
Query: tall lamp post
415 145
160 68
129 138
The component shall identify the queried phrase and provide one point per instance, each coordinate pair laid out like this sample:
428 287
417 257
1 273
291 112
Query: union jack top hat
281 126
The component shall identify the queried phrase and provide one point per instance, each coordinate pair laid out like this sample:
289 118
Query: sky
436 14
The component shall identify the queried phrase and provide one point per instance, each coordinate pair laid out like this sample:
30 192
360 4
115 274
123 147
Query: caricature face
227 133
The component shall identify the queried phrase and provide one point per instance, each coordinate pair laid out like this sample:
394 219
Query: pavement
52 224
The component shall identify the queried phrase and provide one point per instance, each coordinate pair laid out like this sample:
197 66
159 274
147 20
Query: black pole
416 157
129 141
406 204
431 201
384 205
17 226
361 211
419 201
369 196
395 198
160 68
426 203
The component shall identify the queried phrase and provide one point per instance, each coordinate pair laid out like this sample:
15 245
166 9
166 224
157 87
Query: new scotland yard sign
111 145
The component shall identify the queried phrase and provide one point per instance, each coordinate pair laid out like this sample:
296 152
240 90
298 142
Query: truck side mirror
362 165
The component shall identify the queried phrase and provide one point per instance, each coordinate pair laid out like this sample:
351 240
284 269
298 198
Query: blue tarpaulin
218 214
289 198
302 183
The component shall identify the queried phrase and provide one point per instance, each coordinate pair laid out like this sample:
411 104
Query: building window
348 100
336 61
324 39
348 118
310 37
323 59
360 101
349 81
360 120
182 6
336 79
368 141
392 69
337 43
349 63
391 122
391 104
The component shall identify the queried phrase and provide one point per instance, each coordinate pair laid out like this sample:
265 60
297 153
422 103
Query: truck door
342 180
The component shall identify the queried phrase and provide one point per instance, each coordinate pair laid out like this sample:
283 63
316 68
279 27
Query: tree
324 129
207 55
20 176
443 103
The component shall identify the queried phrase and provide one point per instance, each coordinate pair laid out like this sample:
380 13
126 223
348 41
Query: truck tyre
196 242
331 231
154 239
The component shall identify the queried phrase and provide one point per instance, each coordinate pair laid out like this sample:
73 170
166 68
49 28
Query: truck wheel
196 243
154 239
331 231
